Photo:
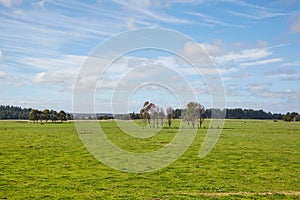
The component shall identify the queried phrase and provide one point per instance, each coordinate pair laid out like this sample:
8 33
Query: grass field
252 159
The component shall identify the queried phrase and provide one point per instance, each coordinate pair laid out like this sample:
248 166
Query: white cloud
226 70
262 44
212 50
243 75
244 4
187 1
295 63
203 55
195 53
293 78
141 3
282 72
61 71
210 21
40 4
259 90
244 55
62 63
147 9
40 77
53 78
130 23
164 17
2 75
257 15
294 26
261 62
6 3
138 4
226 61
285 2
50 31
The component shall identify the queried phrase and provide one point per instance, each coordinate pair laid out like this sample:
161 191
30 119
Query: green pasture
252 160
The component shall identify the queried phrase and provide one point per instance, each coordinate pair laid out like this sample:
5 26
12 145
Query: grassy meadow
252 159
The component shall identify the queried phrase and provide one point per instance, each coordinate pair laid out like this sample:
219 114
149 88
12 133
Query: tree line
231 113
15 112
35 115
294 116
46 115
238 113
195 113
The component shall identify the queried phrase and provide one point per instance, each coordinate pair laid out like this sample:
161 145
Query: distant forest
238 113
14 112
231 113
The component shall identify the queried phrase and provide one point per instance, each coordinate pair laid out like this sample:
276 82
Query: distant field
252 159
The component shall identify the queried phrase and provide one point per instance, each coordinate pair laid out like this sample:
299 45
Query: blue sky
254 44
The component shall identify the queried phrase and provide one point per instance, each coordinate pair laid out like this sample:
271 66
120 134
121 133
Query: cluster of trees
238 113
288 117
231 113
155 115
193 114
92 116
14 112
48 115
176 115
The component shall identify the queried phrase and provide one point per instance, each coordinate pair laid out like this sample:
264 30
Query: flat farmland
253 159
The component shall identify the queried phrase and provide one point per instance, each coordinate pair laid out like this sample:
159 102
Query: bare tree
169 111
194 111
200 110
190 114
153 116
145 112
157 115
162 116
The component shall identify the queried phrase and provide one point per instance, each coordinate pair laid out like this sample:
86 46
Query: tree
69 116
200 110
157 116
190 114
34 115
14 112
169 111
145 112
194 112
62 116
153 116
40 115
133 116
53 116
177 113
293 116
162 116
287 117
297 118
46 115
